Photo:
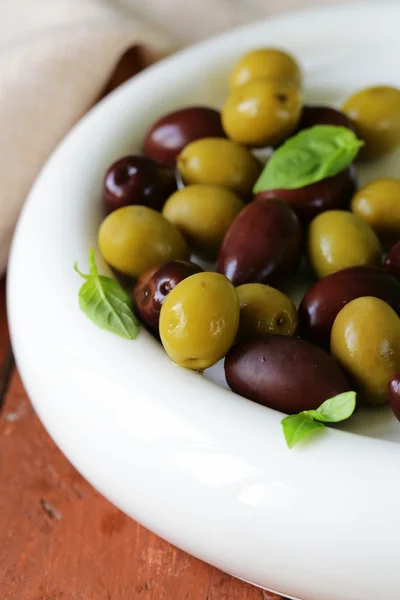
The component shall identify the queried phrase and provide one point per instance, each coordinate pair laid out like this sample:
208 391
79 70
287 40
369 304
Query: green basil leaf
310 156
335 409
106 303
297 427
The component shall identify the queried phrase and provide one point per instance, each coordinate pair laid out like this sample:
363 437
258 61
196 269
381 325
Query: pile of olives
191 193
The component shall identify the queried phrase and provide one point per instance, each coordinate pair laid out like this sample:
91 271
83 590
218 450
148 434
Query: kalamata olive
170 134
263 244
284 373
392 261
137 180
323 302
155 284
394 395
323 115
328 194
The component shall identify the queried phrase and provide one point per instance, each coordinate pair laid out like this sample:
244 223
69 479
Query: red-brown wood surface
61 540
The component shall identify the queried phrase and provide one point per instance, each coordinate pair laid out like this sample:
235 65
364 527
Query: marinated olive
323 115
365 341
155 284
218 161
338 239
323 302
394 395
328 194
203 213
199 320
265 63
283 373
169 135
137 180
135 238
392 261
262 112
264 309
375 114
263 244
378 203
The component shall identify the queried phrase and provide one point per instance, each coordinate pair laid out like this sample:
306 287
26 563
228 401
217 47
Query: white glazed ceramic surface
202 467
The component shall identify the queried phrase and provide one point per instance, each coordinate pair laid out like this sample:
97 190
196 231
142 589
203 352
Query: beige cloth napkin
56 57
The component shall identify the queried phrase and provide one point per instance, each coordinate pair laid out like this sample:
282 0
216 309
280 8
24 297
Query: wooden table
61 540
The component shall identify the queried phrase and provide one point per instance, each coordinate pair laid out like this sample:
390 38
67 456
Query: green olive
365 341
375 113
338 239
262 112
265 62
264 309
134 238
203 213
217 161
199 320
378 204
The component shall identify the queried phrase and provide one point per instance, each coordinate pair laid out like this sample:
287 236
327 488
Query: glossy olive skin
265 63
199 320
217 161
365 341
338 239
375 113
133 239
378 203
203 214
168 136
264 309
323 115
137 180
392 261
155 284
262 112
283 373
309 201
263 244
394 395
324 300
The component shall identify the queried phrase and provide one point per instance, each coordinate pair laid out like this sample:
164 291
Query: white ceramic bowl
202 467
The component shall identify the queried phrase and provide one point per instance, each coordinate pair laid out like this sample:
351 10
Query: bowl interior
330 76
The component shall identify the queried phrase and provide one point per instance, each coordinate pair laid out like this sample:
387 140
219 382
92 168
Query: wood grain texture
6 357
61 540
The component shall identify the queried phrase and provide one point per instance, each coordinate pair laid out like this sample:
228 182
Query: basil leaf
310 156
106 303
297 427
335 409
338 408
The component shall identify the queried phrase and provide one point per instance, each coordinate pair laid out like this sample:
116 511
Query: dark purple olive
155 284
263 244
284 373
322 303
323 115
328 194
137 180
170 134
394 394
392 261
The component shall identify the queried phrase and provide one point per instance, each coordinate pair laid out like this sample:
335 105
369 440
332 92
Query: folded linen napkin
57 57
